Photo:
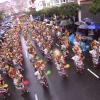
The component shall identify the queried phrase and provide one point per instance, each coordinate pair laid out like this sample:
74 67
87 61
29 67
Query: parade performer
78 39
40 73
65 46
95 52
78 59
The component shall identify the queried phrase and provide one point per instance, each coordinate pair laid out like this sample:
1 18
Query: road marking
26 54
93 73
36 97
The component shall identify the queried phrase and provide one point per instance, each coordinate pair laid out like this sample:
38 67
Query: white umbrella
63 23
79 23
83 26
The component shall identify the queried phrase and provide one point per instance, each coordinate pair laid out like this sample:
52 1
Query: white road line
36 97
93 73
26 54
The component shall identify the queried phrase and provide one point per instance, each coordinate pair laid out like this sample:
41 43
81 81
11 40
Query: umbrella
94 26
63 23
79 23
48 72
83 26
71 38
87 21
67 66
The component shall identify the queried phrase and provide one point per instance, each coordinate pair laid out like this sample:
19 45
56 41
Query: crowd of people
45 36
11 59
54 46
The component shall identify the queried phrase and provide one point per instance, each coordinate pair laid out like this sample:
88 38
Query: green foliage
50 11
1 15
69 9
95 6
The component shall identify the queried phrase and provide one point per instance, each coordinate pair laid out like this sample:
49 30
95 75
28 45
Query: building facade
20 5
6 7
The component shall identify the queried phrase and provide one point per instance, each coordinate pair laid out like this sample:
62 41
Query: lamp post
79 12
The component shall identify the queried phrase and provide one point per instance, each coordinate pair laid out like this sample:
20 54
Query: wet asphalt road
76 87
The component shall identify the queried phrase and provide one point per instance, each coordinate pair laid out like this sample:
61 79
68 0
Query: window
63 0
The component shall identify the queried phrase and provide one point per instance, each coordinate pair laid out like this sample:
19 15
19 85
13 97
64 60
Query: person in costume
95 53
78 59
65 46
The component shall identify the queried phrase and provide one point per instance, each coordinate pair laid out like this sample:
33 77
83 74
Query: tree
95 6
1 15
54 10
50 11
69 9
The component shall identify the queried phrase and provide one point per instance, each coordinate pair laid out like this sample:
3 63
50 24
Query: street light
79 12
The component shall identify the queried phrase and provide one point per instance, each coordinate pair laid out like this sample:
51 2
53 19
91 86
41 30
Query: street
84 86
49 49
75 87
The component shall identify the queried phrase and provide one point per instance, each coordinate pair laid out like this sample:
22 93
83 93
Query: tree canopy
69 9
1 15
95 6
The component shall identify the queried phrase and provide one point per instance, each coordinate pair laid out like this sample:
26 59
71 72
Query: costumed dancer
78 59
65 47
40 73
60 63
95 52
